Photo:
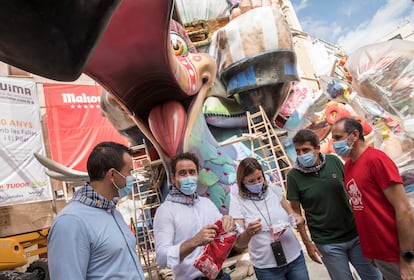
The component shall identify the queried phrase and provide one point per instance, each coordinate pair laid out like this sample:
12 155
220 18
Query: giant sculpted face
156 79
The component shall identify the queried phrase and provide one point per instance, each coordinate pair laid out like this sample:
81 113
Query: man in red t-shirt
383 215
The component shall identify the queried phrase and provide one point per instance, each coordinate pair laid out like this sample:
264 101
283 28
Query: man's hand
299 220
202 238
407 270
228 223
314 253
206 235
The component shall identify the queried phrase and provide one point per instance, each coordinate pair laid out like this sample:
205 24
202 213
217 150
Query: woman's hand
254 227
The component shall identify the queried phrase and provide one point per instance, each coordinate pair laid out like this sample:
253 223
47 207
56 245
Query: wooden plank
22 218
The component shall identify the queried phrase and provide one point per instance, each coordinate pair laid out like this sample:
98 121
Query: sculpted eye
178 44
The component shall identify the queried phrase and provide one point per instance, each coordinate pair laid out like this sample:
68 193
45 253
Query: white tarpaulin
22 177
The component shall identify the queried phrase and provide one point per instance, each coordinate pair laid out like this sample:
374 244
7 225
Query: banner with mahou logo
75 123
22 177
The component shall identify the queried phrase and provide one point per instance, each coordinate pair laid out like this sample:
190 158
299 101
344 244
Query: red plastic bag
215 253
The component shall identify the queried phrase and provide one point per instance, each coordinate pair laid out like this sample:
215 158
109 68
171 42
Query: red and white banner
22 177
75 123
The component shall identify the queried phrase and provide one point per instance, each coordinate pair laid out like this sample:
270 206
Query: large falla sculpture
158 86
157 81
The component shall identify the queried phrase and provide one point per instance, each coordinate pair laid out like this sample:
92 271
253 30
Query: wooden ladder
146 198
265 143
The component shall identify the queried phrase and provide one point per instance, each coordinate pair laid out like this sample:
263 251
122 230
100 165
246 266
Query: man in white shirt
184 223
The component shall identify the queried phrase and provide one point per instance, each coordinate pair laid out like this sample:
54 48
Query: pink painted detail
197 57
192 74
299 92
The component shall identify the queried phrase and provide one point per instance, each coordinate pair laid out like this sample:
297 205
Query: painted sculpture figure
160 82
156 77
184 96
252 85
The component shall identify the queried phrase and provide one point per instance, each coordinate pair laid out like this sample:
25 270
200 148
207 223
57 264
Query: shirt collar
311 169
253 196
178 197
88 196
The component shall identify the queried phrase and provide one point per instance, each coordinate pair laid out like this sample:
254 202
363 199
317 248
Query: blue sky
353 23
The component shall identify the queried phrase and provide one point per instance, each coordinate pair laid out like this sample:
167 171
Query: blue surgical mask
256 188
188 185
307 160
341 147
130 181
129 184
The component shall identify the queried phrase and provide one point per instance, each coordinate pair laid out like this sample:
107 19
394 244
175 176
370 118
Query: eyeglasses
184 173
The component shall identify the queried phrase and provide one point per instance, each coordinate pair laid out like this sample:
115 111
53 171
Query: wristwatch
408 256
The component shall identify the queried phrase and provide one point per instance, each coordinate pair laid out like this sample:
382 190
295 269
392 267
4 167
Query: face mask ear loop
115 185
353 142
351 146
120 173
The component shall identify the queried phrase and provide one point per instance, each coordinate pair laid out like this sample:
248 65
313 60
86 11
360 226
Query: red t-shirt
365 181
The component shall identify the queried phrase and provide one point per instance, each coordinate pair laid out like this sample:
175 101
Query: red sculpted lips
167 122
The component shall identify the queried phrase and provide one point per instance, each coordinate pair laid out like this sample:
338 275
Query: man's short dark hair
104 156
183 156
351 124
306 135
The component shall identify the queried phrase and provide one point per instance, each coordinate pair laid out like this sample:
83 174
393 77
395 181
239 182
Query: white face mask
256 188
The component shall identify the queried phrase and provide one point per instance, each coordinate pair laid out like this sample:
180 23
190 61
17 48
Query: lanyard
268 214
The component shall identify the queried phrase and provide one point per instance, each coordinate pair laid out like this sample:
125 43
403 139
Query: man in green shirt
316 184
